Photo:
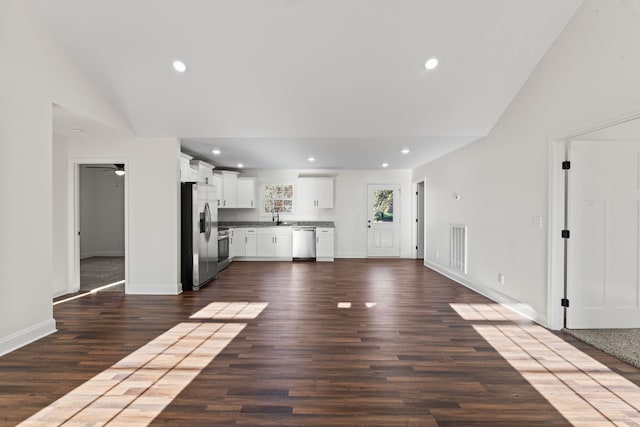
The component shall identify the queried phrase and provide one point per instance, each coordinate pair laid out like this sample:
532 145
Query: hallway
355 342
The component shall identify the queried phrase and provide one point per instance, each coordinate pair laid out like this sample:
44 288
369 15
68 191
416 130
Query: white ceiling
272 82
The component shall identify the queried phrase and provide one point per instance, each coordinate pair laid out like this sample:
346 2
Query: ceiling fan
118 168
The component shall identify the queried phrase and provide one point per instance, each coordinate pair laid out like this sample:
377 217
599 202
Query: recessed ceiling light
216 151
76 130
431 63
385 165
240 165
405 151
179 66
311 159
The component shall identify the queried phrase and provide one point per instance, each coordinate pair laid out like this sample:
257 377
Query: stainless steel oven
223 248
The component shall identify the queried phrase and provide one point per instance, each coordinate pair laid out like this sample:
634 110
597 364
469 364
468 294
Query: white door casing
73 188
604 247
383 220
420 220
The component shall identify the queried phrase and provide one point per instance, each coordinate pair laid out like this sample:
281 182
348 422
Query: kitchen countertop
256 224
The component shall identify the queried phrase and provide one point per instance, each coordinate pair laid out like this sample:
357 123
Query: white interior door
383 220
604 248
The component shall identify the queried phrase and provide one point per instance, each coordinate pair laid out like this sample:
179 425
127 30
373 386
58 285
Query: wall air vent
458 258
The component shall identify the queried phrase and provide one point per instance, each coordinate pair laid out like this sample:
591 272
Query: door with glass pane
383 220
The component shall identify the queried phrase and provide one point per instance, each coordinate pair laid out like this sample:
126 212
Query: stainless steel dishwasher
304 242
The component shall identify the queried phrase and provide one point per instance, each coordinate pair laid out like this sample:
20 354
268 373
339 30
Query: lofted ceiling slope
272 82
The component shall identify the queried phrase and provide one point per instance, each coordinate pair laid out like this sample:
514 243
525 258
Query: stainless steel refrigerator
199 231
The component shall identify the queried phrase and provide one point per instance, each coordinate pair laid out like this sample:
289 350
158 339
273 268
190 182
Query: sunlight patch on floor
91 292
583 390
231 310
137 388
495 312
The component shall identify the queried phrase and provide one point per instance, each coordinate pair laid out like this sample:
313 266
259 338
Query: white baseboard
60 292
27 336
519 307
154 289
101 253
359 255
350 255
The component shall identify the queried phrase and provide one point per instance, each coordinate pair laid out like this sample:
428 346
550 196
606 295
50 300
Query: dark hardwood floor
401 354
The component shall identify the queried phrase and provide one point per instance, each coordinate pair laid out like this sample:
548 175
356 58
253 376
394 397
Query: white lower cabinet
261 243
274 242
236 242
266 246
324 244
250 242
284 245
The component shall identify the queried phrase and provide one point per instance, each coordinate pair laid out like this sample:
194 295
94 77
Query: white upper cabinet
246 193
217 181
195 170
229 189
315 193
194 174
234 191
204 171
185 167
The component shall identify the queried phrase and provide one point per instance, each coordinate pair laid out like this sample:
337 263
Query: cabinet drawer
324 231
274 231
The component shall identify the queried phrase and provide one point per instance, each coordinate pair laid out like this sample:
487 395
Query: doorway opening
592 225
100 227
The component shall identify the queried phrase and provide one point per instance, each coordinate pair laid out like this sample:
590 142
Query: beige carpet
623 344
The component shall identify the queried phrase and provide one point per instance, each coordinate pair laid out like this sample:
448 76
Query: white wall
60 222
590 72
38 75
152 181
348 213
101 213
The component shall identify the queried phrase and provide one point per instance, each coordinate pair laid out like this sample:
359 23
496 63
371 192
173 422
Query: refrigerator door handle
207 220
203 221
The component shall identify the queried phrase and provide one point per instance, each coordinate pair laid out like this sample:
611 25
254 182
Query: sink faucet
275 216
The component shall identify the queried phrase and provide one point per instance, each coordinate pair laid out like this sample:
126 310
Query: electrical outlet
501 278
536 222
